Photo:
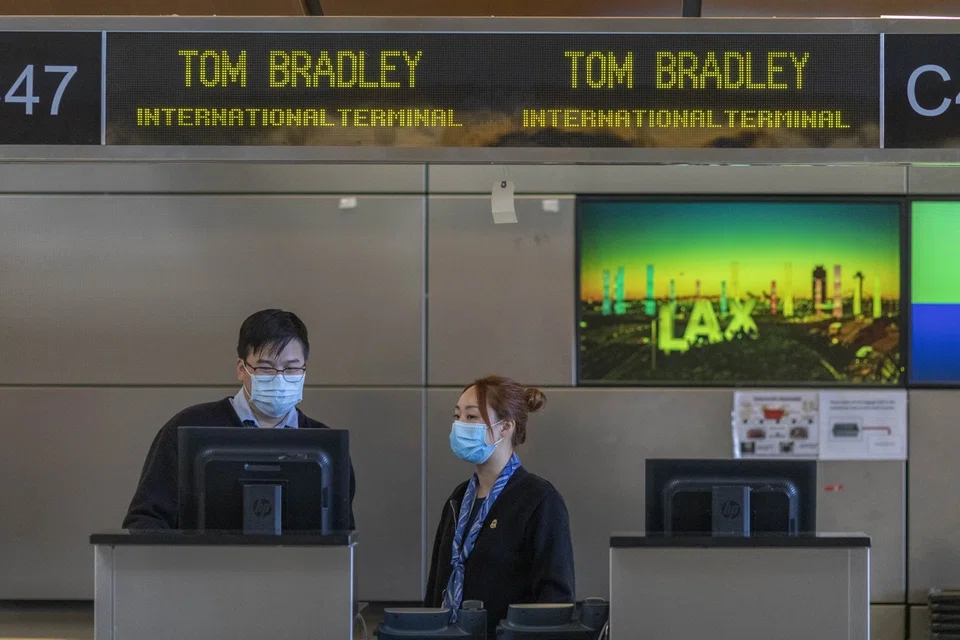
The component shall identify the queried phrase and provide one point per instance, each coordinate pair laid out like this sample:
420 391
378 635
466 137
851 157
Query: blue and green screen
725 292
935 293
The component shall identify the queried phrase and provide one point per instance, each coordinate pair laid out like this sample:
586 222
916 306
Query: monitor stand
731 510
261 508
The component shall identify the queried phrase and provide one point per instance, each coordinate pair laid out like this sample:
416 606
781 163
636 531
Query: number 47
27 99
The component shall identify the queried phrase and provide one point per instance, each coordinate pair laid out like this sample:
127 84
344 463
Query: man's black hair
272 329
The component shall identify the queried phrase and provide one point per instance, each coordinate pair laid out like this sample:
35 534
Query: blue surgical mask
468 441
275 396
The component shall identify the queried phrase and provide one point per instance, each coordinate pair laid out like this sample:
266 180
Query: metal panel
501 295
700 592
933 181
228 592
835 156
934 501
386 435
104 594
887 622
152 290
190 177
872 501
919 623
77 454
591 444
687 180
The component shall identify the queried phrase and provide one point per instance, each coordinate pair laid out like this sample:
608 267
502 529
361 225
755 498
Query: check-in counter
212 586
740 588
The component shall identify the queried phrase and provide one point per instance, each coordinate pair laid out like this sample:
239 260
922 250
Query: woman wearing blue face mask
504 537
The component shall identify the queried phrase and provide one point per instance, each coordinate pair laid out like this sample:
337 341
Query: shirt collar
245 413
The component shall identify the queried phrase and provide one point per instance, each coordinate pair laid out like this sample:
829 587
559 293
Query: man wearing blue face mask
272 366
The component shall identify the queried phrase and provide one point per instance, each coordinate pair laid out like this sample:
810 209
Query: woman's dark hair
510 400
271 329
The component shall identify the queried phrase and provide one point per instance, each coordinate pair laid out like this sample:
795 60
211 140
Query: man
272 363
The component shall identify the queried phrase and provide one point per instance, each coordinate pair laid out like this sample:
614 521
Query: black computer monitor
264 480
731 497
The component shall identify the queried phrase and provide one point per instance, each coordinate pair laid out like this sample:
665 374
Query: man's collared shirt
242 407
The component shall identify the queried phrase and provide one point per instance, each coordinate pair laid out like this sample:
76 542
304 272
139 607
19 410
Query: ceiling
594 8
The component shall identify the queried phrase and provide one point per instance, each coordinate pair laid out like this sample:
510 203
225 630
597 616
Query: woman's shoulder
459 492
538 488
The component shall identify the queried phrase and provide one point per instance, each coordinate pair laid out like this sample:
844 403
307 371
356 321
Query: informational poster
776 424
863 425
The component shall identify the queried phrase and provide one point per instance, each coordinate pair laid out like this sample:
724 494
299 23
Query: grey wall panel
933 181
152 290
591 444
919 623
71 459
934 498
873 502
76 455
817 180
501 295
887 622
385 445
216 178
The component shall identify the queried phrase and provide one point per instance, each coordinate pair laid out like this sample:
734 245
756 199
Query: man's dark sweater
523 554
155 504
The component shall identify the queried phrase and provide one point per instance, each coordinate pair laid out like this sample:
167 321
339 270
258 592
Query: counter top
825 540
169 537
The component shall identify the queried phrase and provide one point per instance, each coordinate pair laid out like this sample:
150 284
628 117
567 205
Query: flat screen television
758 291
935 293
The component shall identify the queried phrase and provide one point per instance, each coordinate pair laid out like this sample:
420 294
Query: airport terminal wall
124 285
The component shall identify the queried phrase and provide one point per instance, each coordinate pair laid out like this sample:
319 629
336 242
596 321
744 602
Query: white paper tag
551 205
501 202
348 203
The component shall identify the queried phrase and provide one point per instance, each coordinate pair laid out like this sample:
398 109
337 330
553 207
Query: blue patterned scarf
453 596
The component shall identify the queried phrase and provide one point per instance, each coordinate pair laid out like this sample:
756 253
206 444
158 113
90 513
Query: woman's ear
507 428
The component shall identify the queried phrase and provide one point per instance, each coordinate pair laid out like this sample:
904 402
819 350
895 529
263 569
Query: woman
504 537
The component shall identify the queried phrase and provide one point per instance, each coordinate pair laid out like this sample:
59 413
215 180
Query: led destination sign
489 90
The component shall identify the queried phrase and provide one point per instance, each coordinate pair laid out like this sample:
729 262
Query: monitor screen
264 480
680 495
935 293
721 291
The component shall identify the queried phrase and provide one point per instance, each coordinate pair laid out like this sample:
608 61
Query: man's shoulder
209 414
306 422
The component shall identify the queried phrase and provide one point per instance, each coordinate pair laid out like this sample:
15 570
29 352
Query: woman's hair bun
535 399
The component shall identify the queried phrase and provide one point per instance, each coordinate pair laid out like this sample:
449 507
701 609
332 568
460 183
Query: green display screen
739 292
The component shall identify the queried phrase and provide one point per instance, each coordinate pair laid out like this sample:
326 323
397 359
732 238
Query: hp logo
263 508
730 509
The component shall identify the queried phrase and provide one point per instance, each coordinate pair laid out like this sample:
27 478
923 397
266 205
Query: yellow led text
600 69
683 119
299 117
777 70
213 68
344 69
